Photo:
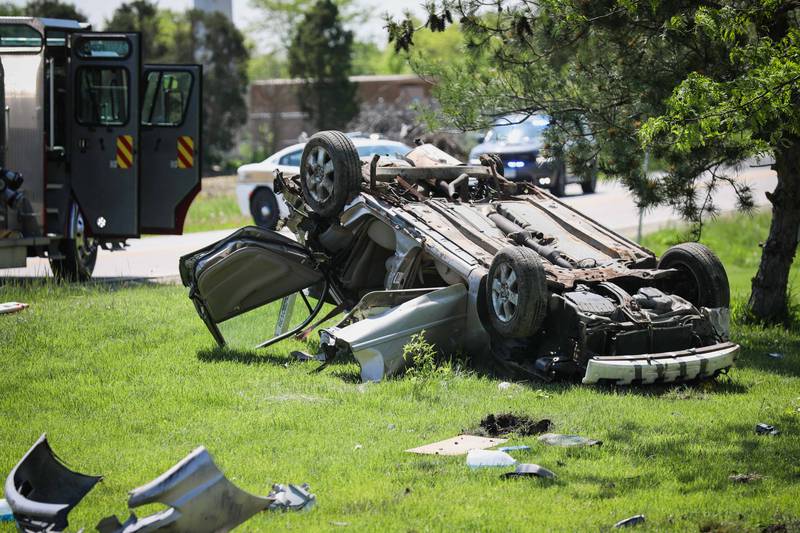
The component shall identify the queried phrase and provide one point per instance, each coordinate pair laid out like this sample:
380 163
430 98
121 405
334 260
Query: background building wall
276 120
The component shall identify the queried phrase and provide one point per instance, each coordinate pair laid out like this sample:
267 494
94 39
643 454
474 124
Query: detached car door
248 269
104 137
170 145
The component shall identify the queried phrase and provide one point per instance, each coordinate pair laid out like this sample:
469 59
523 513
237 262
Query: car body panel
199 498
41 490
385 326
246 270
662 367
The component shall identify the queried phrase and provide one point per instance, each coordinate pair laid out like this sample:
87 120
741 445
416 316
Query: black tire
524 318
702 280
330 172
559 185
79 251
264 208
590 185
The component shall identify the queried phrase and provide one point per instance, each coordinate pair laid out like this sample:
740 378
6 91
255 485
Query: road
611 205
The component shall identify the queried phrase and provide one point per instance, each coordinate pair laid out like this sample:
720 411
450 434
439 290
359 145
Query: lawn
215 207
126 380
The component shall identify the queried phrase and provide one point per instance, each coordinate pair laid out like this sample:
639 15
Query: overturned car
501 272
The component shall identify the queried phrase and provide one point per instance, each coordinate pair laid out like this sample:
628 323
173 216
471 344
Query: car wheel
264 208
590 185
516 292
330 172
702 280
559 185
79 251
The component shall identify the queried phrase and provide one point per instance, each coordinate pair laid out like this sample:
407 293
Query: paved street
157 257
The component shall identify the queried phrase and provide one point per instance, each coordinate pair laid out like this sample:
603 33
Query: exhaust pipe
522 237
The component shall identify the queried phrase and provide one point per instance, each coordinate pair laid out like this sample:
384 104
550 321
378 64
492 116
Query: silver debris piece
199 496
291 498
567 441
530 469
41 490
630 522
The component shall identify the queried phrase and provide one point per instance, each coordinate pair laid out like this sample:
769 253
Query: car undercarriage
501 272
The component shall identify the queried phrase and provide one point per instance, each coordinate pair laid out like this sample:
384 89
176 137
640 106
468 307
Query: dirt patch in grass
505 423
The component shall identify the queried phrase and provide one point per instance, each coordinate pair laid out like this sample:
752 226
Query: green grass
126 381
215 207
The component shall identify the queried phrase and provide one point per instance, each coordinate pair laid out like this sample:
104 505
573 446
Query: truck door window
104 48
19 37
166 97
102 96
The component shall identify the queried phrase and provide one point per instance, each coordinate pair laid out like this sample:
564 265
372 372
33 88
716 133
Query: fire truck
95 146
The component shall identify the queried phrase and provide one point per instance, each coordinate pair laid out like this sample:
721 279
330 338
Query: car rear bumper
243 192
662 367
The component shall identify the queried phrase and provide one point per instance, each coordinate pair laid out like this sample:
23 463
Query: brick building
275 115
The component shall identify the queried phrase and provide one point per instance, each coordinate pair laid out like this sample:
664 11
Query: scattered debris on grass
199 497
775 355
745 478
520 447
568 441
530 470
629 522
484 458
12 307
291 497
41 490
506 423
766 429
458 445
504 385
6 515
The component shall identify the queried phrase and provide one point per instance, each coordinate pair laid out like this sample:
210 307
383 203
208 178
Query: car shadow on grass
718 451
260 357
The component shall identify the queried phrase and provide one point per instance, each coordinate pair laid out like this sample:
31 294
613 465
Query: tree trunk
769 298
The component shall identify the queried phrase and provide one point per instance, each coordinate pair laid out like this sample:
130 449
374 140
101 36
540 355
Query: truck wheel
702 280
79 251
590 185
264 208
516 292
330 172
559 185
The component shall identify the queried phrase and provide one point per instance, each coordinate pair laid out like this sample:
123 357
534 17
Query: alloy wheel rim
505 292
319 174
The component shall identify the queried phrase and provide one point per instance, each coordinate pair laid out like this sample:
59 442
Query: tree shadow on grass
756 356
733 448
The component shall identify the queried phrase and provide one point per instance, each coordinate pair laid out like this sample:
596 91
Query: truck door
104 138
170 146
